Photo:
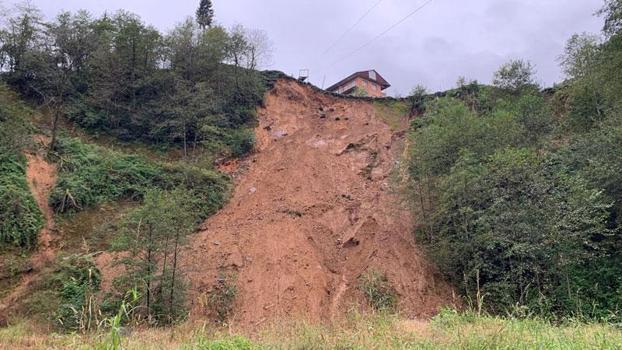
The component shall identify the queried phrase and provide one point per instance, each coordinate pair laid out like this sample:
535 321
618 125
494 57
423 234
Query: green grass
394 113
449 330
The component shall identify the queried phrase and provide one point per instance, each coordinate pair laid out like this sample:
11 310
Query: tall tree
205 14
515 76
152 235
613 16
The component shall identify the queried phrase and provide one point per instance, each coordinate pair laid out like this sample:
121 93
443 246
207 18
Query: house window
372 75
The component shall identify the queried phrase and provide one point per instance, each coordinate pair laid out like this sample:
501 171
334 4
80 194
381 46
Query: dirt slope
312 211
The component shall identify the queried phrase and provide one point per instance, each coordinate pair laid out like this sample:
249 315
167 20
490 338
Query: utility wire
383 33
347 31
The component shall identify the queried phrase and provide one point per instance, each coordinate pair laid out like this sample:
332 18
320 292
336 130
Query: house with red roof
369 82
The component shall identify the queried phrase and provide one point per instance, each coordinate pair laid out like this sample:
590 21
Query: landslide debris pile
312 211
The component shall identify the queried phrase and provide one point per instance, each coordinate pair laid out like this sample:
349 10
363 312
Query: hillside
159 190
315 208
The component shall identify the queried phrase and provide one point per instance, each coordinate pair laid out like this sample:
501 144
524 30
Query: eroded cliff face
313 209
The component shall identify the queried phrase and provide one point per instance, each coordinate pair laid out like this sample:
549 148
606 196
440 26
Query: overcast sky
444 40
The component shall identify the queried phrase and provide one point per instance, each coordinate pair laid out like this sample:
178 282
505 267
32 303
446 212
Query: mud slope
311 213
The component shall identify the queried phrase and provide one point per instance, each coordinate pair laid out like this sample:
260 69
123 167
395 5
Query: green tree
152 236
580 55
612 11
515 76
512 228
22 34
205 14
417 99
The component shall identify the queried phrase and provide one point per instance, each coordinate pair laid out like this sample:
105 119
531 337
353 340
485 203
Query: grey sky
445 40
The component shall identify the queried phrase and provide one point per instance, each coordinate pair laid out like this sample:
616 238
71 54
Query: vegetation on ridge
518 190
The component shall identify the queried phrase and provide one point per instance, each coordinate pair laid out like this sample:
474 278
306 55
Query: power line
347 31
384 32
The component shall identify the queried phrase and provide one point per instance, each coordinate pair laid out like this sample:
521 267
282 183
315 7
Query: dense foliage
518 190
20 218
194 86
90 175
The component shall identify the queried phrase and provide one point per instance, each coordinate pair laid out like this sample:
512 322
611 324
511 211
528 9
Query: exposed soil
314 210
41 177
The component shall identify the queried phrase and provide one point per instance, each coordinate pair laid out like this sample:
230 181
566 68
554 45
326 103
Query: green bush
222 296
77 279
90 175
511 228
379 292
20 217
241 142
520 214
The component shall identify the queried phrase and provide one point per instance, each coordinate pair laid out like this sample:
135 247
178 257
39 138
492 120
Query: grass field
446 331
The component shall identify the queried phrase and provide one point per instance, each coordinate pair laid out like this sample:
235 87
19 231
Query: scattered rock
351 243
235 259
280 134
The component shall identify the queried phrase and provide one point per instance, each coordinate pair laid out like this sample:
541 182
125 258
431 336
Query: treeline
519 190
193 86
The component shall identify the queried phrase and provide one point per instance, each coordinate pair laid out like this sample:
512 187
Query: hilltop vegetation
518 189
192 87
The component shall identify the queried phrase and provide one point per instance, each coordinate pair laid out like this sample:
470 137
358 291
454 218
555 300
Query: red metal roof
364 75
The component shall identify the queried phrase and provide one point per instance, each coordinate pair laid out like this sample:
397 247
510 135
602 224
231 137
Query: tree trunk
149 272
164 264
185 141
54 129
171 301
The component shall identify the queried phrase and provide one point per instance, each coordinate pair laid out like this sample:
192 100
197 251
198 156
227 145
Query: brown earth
314 210
41 177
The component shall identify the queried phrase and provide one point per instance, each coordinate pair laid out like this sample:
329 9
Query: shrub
241 142
378 291
91 175
20 217
513 226
77 279
222 297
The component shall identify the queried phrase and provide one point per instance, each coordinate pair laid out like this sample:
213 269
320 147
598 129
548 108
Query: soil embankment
313 209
